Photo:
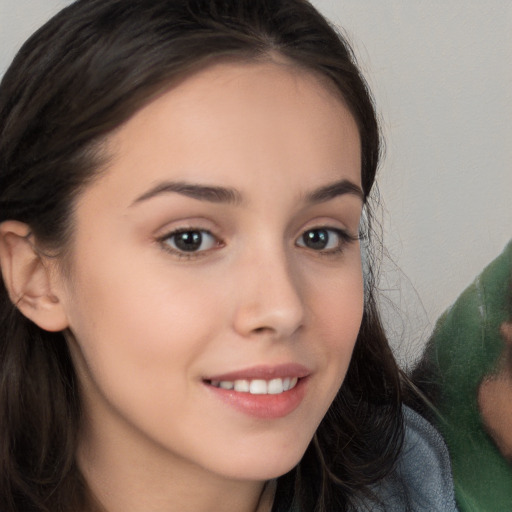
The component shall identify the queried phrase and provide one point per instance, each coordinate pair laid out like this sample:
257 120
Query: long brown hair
75 80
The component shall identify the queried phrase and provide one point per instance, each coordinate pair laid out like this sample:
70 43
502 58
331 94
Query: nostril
264 330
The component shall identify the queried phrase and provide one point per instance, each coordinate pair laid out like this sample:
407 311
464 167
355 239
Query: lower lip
263 406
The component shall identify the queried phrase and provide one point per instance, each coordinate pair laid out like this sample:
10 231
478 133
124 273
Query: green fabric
463 349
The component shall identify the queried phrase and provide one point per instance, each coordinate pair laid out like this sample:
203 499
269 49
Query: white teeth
242 386
275 386
258 386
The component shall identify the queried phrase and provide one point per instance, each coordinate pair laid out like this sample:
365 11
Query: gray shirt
422 480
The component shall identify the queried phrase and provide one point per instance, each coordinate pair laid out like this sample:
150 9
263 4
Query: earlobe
27 277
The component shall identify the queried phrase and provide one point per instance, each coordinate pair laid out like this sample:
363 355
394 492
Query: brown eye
326 240
320 239
191 240
317 239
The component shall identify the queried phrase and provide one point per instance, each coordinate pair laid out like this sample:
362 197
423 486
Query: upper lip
264 372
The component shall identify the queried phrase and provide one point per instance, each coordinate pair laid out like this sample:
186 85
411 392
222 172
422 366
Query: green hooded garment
465 347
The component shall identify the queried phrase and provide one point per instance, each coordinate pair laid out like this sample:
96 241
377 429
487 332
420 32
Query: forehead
234 121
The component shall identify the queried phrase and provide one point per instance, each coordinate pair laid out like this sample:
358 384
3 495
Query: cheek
139 343
335 308
127 320
338 305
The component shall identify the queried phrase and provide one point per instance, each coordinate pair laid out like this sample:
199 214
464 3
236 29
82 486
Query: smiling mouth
257 386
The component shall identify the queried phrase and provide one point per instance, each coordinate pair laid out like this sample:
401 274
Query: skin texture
148 323
495 397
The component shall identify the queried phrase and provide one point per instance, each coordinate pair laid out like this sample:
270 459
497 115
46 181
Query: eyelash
345 238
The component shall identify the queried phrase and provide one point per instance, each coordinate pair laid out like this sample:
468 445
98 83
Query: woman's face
215 291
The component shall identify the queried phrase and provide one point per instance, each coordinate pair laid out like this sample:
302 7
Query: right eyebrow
333 190
212 194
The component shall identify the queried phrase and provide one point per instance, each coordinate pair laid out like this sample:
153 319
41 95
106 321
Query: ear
28 279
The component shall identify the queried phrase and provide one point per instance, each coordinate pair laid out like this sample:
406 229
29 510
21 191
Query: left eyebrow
333 190
200 192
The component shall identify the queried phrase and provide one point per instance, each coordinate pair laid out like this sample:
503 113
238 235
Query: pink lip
266 407
264 372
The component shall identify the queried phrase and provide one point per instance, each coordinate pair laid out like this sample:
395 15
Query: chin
263 465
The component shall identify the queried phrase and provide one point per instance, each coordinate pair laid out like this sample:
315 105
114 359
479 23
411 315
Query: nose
269 298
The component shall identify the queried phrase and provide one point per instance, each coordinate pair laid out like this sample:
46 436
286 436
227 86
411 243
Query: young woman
186 324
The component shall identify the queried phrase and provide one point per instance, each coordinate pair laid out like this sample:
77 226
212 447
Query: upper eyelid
192 224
